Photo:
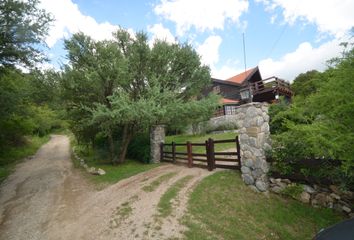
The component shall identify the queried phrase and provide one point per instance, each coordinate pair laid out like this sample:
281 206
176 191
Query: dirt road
46 198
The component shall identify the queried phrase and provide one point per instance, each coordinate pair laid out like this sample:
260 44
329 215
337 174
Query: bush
318 125
293 190
139 148
310 142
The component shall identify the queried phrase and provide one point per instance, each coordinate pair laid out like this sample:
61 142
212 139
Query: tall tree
307 83
23 27
134 86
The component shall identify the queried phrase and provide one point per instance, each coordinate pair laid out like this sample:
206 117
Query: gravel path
46 198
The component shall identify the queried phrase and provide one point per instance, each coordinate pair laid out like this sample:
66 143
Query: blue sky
283 37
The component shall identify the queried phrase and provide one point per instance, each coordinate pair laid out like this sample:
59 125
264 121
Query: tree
307 83
320 125
133 86
23 27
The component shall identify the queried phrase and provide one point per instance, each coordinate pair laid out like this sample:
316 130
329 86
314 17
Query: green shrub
139 148
311 141
293 190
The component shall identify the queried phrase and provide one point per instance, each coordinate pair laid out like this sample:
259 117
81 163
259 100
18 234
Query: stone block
265 127
247 179
261 186
245 170
257 173
305 197
259 121
247 154
248 162
157 136
251 112
309 189
253 131
261 140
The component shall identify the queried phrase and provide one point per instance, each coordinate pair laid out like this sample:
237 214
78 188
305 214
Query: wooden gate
193 154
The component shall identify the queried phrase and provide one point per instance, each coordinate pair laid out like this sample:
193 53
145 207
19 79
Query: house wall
229 91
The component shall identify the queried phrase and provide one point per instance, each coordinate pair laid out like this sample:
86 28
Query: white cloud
201 14
160 32
225 72
303 59
330 16
209 50
69 20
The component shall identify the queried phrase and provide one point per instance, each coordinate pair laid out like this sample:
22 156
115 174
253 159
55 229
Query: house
248 87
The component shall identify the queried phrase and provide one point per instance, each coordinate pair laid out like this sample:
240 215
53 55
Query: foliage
119 88
139 148
19 114
23 27
293 190
319 125
222 201
307 83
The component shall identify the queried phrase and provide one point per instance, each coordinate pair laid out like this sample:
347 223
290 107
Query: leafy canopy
123 86
23 27
319 124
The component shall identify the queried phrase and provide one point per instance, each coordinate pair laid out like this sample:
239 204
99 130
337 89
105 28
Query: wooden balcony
268 89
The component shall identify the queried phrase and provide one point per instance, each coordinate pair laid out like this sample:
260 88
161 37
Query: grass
165 204
154 184
122 212
222 207
114 173
14 155
202 139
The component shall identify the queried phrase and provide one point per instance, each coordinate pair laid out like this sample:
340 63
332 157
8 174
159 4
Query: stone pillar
254 138
157 136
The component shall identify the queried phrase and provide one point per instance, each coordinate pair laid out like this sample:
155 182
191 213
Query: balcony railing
266 85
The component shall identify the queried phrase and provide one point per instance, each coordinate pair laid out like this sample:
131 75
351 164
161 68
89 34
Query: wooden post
207 152
189 153
161 152
211 152
238 152
173 152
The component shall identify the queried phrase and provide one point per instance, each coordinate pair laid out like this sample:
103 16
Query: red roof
228 101
240 78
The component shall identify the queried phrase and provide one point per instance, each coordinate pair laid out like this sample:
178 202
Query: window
230 110
245 94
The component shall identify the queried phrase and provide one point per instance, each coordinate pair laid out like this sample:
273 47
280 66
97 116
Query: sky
282 37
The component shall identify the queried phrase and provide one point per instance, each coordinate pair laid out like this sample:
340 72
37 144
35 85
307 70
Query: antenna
244 51
244 60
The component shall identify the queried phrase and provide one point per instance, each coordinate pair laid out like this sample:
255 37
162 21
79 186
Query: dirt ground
46 198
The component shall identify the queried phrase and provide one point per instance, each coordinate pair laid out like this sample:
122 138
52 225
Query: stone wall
157 136
318 196
252 122
254 135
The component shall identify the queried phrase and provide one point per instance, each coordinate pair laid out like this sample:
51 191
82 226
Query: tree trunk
111 147
127 135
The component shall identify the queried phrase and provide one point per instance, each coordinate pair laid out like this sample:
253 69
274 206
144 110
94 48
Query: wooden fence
209 159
